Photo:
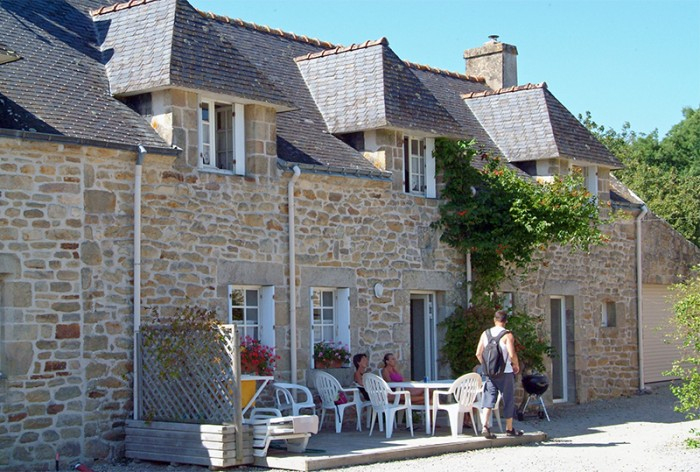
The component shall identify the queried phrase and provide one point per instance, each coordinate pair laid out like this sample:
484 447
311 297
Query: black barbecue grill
535 385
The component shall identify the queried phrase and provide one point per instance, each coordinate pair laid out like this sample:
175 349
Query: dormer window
419 166
221 136
590 179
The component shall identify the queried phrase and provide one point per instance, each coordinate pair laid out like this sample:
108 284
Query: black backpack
494 363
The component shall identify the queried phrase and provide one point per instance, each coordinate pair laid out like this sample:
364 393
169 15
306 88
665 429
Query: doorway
562 331
423 340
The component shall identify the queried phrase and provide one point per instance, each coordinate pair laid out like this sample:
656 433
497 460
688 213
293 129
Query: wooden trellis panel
199 383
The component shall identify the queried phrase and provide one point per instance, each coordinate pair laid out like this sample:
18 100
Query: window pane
328 333
224 137
328 315
252 316
205 152
237 314
237 297
327 298
251 297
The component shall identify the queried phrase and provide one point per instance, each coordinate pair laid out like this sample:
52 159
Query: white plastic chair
379 392
269 425
328 389
457 401
294 398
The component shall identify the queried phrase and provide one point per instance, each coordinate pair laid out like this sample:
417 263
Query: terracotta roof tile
119 7
266 29
516 88
448 73
342 49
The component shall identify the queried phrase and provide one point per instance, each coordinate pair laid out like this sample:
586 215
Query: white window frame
590 179
340 324
207 135
426 166
266 312
608 321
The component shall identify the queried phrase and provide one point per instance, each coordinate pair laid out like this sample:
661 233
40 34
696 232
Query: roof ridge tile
515 88
471 78
119 7
342 49
267 29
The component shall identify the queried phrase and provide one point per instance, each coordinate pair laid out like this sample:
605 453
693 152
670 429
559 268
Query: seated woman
391 374
361 363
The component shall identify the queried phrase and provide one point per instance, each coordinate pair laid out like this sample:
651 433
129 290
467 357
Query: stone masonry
66 271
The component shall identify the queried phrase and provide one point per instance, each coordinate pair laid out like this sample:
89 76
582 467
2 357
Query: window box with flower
329 354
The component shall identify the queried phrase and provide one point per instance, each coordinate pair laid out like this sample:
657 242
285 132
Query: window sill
212 170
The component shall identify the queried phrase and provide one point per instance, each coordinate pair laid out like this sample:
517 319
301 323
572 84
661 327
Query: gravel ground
640 433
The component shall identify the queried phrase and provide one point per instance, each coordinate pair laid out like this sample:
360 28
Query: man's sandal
486 432
514 432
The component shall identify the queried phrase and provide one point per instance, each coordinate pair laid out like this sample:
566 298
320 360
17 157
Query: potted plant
256 359
328 354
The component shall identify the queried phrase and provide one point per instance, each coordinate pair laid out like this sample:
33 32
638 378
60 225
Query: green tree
686 319
665 174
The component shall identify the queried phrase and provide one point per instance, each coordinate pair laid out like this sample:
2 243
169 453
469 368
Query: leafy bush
686 318
464 328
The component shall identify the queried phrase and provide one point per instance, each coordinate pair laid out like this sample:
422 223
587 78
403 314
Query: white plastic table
426 386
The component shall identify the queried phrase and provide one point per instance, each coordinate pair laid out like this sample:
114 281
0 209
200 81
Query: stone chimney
494 61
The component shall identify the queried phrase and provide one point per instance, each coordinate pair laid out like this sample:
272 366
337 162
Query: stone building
285 178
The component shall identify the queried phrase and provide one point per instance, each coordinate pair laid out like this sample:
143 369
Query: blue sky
622 60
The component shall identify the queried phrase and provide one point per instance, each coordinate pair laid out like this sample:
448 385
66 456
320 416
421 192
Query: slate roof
386 95
167 43
302 135
74 64
448 87
528 123
60 87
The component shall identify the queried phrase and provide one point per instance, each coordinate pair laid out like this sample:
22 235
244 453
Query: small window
507 301
253 310
590 179
415 165
221 137
323 315
609 315
419 166
330 315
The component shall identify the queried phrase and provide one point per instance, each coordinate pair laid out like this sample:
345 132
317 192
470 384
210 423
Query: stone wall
66 271
667 256
605 358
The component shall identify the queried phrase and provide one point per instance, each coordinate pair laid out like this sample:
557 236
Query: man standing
505 382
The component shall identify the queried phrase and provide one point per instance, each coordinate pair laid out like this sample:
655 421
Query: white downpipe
292 277
640 317
469 279
137 271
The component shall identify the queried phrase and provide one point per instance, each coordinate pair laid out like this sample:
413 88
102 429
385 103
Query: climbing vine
502 217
